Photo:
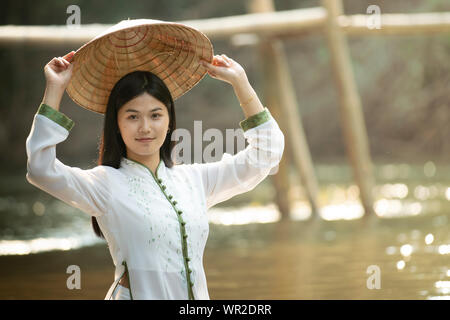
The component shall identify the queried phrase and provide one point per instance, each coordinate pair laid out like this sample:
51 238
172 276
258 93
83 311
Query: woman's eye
133 117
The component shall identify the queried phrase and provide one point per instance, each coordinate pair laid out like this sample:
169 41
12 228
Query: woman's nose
145 126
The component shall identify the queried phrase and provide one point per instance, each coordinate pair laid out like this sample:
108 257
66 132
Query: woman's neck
150 162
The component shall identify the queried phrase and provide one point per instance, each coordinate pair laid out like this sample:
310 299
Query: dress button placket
183 239
184 247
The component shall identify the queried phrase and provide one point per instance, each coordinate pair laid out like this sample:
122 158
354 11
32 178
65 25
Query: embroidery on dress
139 192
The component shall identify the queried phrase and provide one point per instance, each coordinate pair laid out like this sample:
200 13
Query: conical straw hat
170 50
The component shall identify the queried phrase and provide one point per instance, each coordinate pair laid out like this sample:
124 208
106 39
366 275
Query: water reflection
253 254
23 247
406 250
401 265
444 249
326 260
429 238
443 286
398 190
244 215
344 211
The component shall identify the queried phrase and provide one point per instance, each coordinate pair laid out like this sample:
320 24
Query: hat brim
170 50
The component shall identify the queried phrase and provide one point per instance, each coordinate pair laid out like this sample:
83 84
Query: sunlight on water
408 255
444 249
342 204
398 190
439 298
244 215
401 265
406 250
443 288
344 211
424 193
429 238
396 208
21 247
301 210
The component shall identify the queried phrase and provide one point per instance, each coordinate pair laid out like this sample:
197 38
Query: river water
400 253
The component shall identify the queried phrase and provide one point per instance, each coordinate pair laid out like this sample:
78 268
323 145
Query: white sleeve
242 172
87 190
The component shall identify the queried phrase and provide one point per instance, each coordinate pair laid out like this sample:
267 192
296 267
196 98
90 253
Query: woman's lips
145 140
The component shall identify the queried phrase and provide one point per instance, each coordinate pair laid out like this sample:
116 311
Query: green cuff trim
255 120
53 114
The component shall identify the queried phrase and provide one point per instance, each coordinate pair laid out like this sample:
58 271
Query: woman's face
143 117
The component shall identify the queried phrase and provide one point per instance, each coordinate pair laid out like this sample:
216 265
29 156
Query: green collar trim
58 117
155 175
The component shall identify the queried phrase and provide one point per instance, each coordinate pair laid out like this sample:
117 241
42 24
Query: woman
152 213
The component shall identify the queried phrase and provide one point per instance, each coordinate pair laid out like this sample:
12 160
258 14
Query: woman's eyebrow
132 110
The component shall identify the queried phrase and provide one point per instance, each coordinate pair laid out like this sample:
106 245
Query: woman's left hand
225 69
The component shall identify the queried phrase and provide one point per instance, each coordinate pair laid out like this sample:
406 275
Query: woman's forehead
143 103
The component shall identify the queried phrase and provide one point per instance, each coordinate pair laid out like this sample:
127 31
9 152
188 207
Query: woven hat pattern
170 50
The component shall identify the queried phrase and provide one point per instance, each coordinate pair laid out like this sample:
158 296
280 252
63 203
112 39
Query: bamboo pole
397 24
281 178
282 90
274 24
350 106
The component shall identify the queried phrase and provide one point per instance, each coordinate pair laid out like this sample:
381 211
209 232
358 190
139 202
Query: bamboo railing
274 24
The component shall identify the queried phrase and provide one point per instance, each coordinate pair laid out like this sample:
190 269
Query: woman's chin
144 152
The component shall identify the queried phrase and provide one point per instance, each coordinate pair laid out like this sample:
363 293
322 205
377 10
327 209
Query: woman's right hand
58 71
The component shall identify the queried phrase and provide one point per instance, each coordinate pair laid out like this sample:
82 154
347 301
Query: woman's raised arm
87 190
57 75
243 171
239 173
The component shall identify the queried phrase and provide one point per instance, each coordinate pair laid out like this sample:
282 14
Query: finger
229 60
55 61
62 62
208 66
222 60
69 56
67 63
212 68
217 67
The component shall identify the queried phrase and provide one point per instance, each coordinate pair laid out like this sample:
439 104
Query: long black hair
112 148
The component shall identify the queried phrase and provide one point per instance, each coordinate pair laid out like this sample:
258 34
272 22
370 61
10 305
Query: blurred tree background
402 80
